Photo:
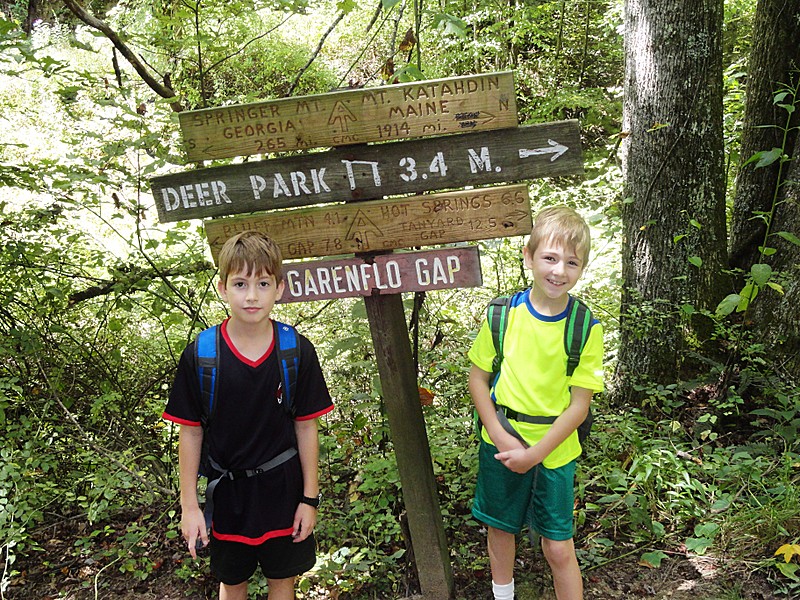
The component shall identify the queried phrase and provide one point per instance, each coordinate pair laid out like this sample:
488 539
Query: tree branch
316 52
247 43
163 90
109 286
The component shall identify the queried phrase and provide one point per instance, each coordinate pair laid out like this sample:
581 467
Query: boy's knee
558 553
233 592
281 589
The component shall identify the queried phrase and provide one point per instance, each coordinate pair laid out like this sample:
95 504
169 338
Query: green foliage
97 300
761 274
656 483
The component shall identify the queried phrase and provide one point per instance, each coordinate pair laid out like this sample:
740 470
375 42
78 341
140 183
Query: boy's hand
193 528
305 518
519 460
504 441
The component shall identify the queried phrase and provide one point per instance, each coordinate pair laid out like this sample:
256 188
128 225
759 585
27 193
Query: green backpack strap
497 314
576 332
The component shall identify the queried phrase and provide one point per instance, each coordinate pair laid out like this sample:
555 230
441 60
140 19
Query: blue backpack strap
207 362
288 363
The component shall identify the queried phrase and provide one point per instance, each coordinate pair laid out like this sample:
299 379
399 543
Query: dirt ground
58 571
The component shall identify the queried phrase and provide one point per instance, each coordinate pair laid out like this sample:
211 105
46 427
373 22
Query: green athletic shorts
543 499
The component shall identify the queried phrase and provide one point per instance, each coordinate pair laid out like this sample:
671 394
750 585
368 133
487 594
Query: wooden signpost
367 172
436 107
466 215
372 225
394 273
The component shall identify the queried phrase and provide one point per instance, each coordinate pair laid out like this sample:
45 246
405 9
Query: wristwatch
312 501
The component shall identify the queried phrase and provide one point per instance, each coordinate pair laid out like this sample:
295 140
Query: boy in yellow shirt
528 478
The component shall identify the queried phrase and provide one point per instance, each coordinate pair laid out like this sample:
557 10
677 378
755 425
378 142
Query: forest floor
76 562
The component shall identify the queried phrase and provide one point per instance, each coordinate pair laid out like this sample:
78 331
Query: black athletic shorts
280 558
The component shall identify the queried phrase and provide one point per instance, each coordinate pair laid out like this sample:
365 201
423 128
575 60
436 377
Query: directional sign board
455 105
465 215
374 171
446 268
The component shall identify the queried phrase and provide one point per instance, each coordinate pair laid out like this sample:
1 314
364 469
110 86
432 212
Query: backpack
576 332
206 354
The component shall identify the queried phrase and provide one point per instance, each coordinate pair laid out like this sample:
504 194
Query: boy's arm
305 517
481 397
193 523
560 430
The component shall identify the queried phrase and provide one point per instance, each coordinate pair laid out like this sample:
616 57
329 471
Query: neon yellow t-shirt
533 376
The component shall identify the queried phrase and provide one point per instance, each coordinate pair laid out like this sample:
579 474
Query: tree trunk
34 15
673 211
773 65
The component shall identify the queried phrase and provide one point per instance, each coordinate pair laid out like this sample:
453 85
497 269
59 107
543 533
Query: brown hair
252 252
563 225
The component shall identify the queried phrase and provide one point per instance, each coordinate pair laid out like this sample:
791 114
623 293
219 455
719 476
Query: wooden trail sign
445 268
435 107
466 215
375 171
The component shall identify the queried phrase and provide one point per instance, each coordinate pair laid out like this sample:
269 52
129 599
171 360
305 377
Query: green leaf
761 273
695 223
698 545
721 504
765 158
452 25
780 97
728 305
346 6
789 237
696 261
652 559
766 250
789 570
76 43
776 286
678 238
706 530
747 295
409 73
360 421
609 499
6 26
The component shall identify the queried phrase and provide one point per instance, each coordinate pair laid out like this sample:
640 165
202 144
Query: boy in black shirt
266 519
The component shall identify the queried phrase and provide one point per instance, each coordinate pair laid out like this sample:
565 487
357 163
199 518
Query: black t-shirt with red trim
247 428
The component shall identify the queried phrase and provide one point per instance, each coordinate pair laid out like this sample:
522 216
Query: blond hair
251 252
563 225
